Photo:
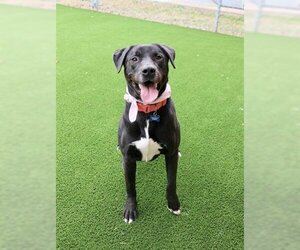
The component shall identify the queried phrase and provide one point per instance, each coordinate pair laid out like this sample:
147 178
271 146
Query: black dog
149 126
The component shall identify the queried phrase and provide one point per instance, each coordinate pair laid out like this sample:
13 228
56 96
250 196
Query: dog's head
146 69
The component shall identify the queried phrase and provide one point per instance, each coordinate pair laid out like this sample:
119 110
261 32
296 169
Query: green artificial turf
208 93
272 142
27 128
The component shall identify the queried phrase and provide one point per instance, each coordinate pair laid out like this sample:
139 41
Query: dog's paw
130 212
177 212
174 204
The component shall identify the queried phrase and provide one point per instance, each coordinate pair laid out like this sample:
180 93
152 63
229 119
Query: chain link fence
198 14
273 17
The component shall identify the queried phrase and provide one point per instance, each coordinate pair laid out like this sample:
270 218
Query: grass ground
27 128
208 92
272 142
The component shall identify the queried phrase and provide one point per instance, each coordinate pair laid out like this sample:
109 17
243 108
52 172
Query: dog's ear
119 57
170 52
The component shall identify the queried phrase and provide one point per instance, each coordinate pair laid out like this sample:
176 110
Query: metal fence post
218 15
95 4
258 15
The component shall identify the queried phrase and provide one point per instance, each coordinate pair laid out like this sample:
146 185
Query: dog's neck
133 110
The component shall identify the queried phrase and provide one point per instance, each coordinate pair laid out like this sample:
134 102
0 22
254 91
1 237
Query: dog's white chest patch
147 146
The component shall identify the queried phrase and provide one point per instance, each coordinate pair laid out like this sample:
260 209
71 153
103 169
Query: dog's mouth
148 91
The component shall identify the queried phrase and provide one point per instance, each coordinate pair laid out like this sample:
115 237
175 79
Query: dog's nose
148 71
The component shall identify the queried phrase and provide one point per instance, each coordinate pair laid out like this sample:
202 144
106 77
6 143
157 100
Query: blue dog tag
154 118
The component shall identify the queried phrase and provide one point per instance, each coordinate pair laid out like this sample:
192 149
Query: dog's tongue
148 94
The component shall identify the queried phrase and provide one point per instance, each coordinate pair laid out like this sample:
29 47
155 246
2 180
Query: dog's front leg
130 211
172 198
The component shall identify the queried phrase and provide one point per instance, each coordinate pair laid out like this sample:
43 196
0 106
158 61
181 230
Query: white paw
177 212
128 221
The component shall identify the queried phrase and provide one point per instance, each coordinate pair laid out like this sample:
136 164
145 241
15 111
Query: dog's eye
158 57
134 59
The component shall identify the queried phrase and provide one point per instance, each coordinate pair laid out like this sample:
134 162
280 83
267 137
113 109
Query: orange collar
148 108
